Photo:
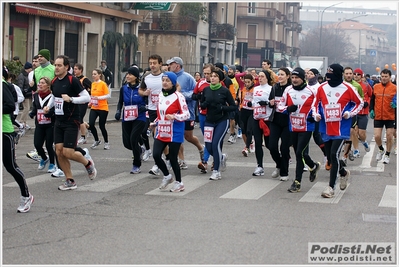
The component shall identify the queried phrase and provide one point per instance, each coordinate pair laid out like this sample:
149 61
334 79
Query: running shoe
146 155
276 173
87 155
106 146
183 165
366 146
313 173
232 139
43 163
177 187
239 133
68 185
203 166
356 153
343 180
96 144
385 159
155 170
166 181
328 192
215 175
351 157
135 169
380 153
51 168
82 140
284 178
295 187
33 155
258 172
25 203
58 173
223 164
91 170
245 152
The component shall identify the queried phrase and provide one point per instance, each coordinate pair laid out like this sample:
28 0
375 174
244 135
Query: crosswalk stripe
191 182
366 162
314 194
40 179
252 189
111 183
389 197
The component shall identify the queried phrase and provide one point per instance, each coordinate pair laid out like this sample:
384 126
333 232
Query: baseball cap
177 60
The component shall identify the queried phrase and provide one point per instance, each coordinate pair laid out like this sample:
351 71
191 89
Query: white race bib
332 112
59 106
208 134
41 119
130 113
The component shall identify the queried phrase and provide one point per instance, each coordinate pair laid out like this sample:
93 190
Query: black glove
31 115
310 119
292 108
204 105
263 103
142 109
365 104
118 115
249 104
198 96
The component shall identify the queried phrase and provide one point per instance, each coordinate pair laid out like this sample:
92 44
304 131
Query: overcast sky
353 4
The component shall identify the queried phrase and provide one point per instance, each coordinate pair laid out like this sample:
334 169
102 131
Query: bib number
41 119
298 121
59 106
94 102
155 99
208 134
130 113
332 112
259 113
165 129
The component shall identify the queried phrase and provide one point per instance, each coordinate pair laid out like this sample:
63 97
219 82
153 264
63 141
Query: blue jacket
187 84
130 96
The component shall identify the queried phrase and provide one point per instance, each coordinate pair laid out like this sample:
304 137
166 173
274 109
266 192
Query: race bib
332 112
59 106
130 113
208 134
41 119
94 102
298 121
154 98
277 100
259 112
165 128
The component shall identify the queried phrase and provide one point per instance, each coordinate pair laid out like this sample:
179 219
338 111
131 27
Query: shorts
82 111
354 122
66 132
152 114
362 121
382 123
189 125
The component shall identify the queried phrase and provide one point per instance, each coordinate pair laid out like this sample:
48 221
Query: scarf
215 87
43 94
312 81
169 92
300 87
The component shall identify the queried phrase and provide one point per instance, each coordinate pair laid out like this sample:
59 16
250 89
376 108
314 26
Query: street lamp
321 24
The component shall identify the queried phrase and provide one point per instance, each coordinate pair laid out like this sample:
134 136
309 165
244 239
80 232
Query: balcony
222 31
171 24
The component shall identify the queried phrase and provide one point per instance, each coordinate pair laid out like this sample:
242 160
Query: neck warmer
312 81
299 87
231 76
43 94
333 81
215 86
45 64
169 91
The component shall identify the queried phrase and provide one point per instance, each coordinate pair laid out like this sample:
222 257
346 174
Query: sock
381 148
387 153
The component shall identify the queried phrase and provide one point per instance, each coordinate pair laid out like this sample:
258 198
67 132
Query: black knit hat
299 72
134 71
336 69
315 71
219 73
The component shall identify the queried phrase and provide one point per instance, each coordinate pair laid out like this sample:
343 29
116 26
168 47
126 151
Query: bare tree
334 44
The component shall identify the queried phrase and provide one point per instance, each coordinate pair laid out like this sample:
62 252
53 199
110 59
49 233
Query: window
251 7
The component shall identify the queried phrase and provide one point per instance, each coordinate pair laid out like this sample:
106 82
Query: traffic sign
152 6
373 53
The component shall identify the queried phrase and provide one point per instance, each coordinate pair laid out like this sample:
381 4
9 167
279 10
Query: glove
204 105
263 103
118 115
249 104
372 115
31 115
310 119
393 105
365 104
142 109
292 108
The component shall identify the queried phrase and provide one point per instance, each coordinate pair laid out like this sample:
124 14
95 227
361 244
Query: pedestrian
44 124
9 156
23 83
335 104
279 130
383 114
246 112
68 92
99 108
133 115
86 83
297 103
262 103
172 113
108 75
197 76
218 101
20 98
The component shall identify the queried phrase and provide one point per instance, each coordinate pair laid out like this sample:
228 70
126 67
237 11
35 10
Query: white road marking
252 189
191 182
389 198
43 178
314 194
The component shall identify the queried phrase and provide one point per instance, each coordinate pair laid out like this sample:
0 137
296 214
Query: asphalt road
123 218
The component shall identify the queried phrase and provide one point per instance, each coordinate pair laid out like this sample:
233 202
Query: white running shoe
25 203
379 155
328 192
223 164
276 173
82 140
385 159
258 172
215 175
58 173
166 181
147 154
155 170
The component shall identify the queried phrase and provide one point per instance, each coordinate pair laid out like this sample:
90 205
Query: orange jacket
383 95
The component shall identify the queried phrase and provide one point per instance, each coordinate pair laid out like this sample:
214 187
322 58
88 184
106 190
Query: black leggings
282 160
145 139
102 114
333 149
259 138
44 133
246 124
11 165
131 135
300 142
174 148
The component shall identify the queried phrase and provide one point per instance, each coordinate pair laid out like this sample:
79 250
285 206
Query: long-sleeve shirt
132 101
187 84
261 93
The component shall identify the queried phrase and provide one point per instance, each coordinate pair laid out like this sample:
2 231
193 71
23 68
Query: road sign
152 6
373 53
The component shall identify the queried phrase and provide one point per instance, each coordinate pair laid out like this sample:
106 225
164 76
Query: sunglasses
357 74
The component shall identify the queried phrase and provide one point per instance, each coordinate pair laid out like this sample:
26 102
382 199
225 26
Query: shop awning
33 9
